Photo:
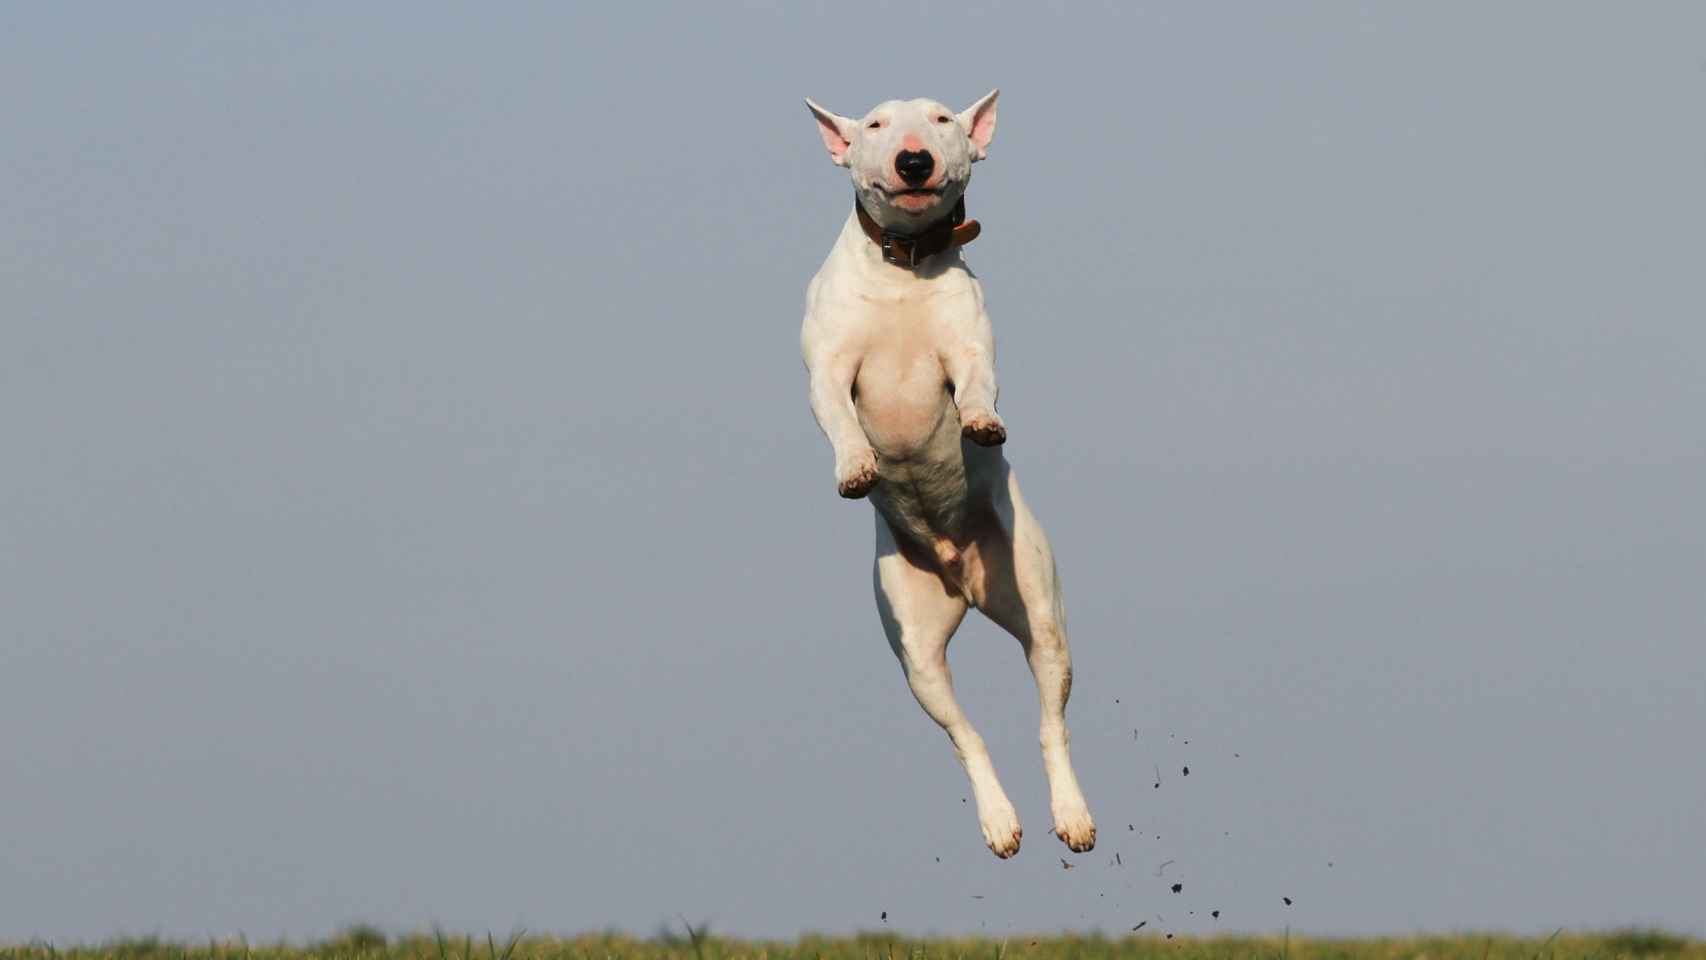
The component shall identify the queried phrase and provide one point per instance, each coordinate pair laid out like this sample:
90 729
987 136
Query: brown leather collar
904 250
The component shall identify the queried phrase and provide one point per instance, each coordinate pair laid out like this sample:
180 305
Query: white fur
902 373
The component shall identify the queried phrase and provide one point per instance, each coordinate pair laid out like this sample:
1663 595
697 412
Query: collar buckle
891 255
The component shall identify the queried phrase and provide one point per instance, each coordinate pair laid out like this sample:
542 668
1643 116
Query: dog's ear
979 123
837 132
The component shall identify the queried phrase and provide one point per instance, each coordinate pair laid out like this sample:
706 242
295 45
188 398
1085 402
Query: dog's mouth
911 191
912 198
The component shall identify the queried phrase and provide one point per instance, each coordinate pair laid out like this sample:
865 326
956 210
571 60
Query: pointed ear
837 132
979 123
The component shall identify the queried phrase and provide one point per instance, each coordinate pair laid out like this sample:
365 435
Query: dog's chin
911 204
916 201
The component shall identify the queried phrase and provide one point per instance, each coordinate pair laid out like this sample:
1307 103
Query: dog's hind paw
983 428
1001 831
1072 824
855 477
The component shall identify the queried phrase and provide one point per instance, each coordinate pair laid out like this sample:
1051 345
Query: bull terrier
901 359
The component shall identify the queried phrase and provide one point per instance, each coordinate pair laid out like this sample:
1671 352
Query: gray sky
412 511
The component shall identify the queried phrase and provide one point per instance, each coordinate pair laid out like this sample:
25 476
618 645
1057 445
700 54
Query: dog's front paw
983 427
856 475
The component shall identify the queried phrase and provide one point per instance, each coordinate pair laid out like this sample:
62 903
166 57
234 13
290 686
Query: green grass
367 943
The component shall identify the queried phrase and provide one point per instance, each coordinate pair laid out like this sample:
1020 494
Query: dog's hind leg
920 615
1020 591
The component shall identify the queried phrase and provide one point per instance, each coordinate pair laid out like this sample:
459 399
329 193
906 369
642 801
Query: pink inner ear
833 140
983 126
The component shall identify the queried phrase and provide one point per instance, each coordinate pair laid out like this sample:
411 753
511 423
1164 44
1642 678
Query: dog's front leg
832 372
970 363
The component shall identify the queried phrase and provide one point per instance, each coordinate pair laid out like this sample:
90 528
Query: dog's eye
944 119
874 124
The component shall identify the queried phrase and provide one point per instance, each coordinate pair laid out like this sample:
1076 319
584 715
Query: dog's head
910 159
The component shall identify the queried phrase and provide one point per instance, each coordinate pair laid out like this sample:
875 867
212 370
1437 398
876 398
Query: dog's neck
911 249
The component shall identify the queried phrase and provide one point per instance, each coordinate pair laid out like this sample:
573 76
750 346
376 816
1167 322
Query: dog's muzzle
914 166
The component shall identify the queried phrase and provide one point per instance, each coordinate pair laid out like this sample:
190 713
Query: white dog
902 364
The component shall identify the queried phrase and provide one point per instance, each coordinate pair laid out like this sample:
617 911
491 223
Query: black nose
914 166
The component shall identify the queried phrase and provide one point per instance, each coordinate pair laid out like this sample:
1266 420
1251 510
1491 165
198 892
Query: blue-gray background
412 513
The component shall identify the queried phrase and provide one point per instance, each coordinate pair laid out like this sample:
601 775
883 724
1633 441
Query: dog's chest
902 391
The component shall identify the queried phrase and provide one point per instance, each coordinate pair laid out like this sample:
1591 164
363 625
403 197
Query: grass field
373 945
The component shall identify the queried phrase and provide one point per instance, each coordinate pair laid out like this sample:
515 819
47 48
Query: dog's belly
907 410
904 404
